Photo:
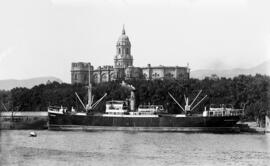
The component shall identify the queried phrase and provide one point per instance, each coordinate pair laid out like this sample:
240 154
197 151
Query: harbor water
132 148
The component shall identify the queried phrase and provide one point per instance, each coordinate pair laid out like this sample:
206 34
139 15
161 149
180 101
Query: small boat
32 134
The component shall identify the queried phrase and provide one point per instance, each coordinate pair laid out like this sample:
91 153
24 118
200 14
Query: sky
43 37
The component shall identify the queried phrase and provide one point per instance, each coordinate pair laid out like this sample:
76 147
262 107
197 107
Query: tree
254 91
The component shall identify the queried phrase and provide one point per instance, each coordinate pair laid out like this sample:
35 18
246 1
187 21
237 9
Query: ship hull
141 123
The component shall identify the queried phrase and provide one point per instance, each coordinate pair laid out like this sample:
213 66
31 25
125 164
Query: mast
4 106
89 105
188 107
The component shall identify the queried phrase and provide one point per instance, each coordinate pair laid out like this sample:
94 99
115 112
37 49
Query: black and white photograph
135 82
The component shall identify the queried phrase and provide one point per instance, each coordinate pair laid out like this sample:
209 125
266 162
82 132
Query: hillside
263 68
28 83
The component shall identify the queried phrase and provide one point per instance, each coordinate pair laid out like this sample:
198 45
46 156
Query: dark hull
161 123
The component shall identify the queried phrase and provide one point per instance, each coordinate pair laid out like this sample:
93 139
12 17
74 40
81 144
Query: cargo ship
122 115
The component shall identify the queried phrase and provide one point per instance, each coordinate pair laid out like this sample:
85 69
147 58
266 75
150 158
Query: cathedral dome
119 56
123 39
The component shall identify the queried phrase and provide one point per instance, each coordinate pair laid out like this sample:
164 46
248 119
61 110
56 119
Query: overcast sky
42 37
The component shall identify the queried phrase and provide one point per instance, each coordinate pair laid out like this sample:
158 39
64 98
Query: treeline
251 91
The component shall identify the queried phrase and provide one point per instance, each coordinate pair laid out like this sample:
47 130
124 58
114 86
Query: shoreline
39 121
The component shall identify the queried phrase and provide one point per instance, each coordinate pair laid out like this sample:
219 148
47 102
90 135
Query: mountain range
263 68
28 83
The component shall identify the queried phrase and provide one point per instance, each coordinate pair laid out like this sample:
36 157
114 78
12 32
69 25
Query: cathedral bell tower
123 57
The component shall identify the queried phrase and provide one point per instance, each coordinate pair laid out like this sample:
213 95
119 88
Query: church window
75 77
111 76
169 75
145 75
180 75
104 78
155 75
127 51
119 50
96 78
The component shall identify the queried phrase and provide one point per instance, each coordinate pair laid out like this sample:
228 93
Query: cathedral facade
123 68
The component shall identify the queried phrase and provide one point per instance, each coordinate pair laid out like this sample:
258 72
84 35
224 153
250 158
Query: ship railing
115 113
147 113
151 108
57 109
230 112
147 110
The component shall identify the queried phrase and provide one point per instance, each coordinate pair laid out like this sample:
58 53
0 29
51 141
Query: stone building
165 72
123 68
103 74
79 72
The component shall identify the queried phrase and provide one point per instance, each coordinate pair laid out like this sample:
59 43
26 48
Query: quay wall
23 120
267 124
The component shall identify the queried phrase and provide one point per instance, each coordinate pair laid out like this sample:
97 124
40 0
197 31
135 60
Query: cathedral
123 68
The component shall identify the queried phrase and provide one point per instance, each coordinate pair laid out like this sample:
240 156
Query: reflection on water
132 148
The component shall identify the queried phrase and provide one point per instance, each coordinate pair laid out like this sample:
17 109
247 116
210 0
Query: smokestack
129 87
132 100
132 95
